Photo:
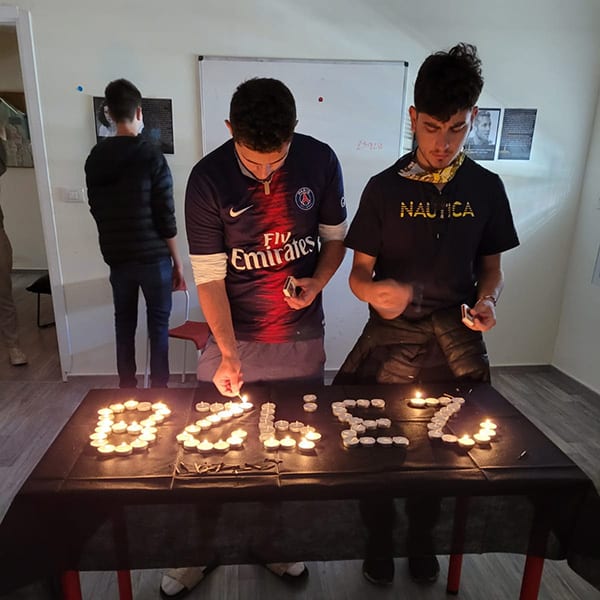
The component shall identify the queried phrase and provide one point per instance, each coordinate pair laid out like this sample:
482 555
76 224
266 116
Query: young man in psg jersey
266 205
427 238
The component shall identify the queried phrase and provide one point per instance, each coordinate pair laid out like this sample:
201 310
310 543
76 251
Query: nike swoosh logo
237 213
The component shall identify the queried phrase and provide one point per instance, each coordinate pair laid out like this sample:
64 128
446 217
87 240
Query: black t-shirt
429 238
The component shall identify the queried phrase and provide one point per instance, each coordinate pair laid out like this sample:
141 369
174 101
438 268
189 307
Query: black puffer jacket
130 191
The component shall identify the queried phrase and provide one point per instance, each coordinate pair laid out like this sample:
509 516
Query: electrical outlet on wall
73 195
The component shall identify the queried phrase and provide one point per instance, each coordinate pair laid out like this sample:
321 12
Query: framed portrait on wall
481 143
13 120
157 114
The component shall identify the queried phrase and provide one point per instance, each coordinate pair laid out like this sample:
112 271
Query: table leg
125 590
71 589
532 577
458 540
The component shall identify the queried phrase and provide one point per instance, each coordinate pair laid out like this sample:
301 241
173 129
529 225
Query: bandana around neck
414 171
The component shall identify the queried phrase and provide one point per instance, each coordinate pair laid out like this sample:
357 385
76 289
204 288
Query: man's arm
490 282
388 297
215 306
178 280
330 258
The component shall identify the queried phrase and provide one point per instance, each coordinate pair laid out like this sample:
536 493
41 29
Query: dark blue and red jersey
267 233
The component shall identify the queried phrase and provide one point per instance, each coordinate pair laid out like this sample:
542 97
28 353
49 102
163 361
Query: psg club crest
305 198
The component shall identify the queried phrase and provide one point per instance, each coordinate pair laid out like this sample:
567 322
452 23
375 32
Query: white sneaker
17 356
176 583
289 571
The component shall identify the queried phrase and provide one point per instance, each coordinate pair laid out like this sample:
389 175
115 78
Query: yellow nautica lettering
420 212
468 210
454 213
403 208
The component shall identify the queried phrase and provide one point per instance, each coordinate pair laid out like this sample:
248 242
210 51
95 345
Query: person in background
266 205
130 192
8 311
428 237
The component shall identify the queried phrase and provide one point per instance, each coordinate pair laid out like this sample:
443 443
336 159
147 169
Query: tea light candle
458 400
282 425
99 442
491 433
183 436
134 428
487 424
204 424
123 449
444 400
106 450
449 438
190 444
148 423
306 446
341 404
347 433
119 427
466 441
225 415
349 403
296 426
482 437
202 407
385 441
105 412
149 430
106 421
245 405
165 412
267 429
117 408
158 405
416 401
214 419
271 444
130 404
205 447
435 434
216 407
378 402
309 398
235 443
268 406
370 424
367 441
432 401
144 406
139 445
221 446
148 437
241 433
306 429
310 407
400 440
193 429
98 436
384 423
287 443
363 403
157 417
352 442
359 428
312 436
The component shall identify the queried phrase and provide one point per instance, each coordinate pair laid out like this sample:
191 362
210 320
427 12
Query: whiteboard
358 108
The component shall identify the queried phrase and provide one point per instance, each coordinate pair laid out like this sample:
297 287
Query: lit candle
130 404
466 441
214 419
306 446
310 407
105 412
287 443
165 412
193 429
282 425
159 405
139 445
313 436
378 402
117 408
309 398
202 407
183 436
204 424
148 423
134 428
236 410
245 405
368 441
119 427
417 401
216 407
296 426
491 433
482 437
241 433
235 442
205 447
106 450
271 444
149 430
144 406
157 417
221 446
123 449
225 415
487 424
98 436
99 442
106 422
306 429
148 437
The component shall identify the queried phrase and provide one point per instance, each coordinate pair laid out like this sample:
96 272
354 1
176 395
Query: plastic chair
189 331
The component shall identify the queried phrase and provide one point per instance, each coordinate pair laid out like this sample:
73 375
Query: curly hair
262 114
122 99
449 82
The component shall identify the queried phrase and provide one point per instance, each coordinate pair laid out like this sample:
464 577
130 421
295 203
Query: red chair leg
532 577
125 590
71 589
454 569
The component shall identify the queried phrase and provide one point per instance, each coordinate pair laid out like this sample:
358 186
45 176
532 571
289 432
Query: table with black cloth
78 512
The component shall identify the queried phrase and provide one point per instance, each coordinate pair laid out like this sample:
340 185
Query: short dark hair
449 82
262 114
122 99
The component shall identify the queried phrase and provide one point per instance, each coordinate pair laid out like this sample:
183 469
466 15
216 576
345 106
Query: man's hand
228 377
177 279
309 290
484 315
389 297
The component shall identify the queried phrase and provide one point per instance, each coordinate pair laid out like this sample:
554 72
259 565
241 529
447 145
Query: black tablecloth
153 509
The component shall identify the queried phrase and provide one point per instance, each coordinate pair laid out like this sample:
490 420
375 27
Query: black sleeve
364 234
163 206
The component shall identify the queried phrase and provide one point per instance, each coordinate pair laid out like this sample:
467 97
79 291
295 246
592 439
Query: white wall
577 349
543 55
19 196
